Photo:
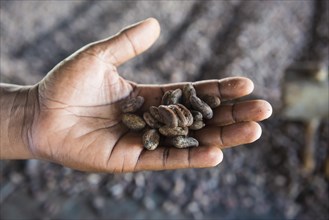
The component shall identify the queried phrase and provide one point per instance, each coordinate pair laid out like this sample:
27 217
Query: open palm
78 123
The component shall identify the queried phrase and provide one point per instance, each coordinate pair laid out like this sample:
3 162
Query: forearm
17 110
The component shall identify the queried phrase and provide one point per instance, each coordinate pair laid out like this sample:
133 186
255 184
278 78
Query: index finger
226 89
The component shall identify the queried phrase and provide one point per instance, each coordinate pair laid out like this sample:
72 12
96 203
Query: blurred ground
199 40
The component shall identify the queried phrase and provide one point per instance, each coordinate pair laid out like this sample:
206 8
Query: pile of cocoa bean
181 110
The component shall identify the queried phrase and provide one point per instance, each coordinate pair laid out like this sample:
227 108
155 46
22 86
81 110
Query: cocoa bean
184 142
197 125
132 104
197 116
132 121
172 97
168 116
155 113
188 91
151 139
201 106
181 110
151 121
170 131
211 100
185 117
197 121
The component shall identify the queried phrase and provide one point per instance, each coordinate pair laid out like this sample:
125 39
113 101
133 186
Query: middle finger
254 110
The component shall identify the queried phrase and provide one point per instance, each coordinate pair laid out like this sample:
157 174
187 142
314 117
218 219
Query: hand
78 119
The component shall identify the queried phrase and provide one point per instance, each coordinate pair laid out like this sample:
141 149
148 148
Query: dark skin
72 117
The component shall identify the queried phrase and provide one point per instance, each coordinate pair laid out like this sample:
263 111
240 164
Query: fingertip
214 156
240 133
254 110
235 87
255 131
267 109
249 85
143 34
206 157
155 24
217 157
245 83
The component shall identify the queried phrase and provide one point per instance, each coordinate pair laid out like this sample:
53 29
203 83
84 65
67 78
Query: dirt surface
199 40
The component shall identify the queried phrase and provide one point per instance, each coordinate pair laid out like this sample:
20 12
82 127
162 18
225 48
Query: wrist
19 106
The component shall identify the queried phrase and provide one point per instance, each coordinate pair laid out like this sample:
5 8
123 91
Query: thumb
128 43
